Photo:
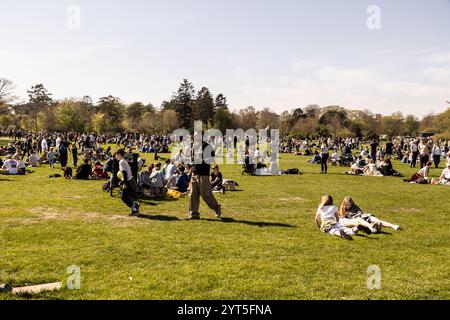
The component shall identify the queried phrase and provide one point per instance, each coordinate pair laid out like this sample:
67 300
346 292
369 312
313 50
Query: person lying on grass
351 215
327 219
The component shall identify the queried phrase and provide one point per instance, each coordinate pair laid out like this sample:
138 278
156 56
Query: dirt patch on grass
410 210
42 214
293 199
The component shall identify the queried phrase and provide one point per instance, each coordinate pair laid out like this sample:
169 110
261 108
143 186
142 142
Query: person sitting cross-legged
216 179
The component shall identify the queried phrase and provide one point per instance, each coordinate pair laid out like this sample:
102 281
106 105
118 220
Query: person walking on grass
200 185
128 185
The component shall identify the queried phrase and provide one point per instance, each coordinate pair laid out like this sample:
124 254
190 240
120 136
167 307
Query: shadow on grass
384 233
260 224
158 217
365 236
3 179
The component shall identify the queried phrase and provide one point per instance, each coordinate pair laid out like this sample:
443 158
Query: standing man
437 153
373 150
44 145
389 148
75 154
201 185
423 153
128 186
324 158
415 153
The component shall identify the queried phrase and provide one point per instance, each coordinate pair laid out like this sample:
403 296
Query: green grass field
267 247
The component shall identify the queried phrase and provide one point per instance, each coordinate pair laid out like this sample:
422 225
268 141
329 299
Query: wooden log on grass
37 288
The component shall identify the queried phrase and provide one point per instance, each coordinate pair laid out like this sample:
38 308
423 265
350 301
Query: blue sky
278 54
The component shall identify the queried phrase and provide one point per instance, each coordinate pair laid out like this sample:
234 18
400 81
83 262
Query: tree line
109 115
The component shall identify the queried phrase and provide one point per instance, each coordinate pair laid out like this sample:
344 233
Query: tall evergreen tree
184 100
39 100
221 102
204 107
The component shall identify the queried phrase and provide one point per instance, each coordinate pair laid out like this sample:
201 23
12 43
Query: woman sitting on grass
98 172
444 179
387 169
350 214
9 166
421 177
371 169
21 167
327 220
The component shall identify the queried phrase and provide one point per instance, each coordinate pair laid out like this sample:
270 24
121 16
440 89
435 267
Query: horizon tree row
109 115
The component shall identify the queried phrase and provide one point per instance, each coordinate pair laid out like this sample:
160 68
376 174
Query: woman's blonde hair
327 200
342 209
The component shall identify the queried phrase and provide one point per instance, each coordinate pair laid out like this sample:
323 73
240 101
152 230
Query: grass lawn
267 247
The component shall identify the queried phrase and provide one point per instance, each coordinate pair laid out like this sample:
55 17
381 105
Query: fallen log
37 288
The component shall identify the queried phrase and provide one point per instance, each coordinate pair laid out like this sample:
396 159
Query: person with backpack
127 184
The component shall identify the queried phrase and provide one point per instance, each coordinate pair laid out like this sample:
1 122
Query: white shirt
414 147
328 213
11 166
44 145
20 164
58 142
124 166
446 173
425 172
170 170
437 151
34 160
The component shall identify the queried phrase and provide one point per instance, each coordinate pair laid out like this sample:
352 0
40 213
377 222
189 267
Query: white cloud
379 88
438 75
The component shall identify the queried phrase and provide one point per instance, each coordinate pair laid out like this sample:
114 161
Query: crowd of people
371 158
126 170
